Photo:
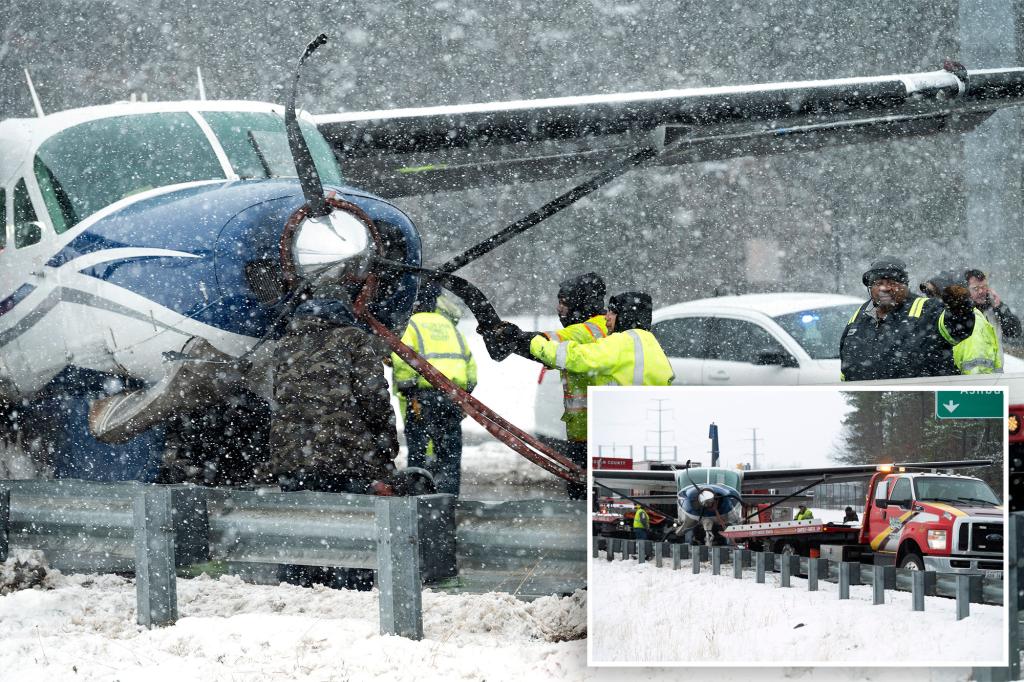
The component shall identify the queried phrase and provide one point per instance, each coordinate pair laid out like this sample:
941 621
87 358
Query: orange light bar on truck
885 468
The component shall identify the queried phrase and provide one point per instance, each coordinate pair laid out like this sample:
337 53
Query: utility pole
660 410
754 439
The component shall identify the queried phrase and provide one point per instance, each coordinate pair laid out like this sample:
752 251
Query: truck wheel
785 547
912 561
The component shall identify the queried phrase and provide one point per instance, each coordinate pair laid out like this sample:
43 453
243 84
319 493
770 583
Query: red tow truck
913 518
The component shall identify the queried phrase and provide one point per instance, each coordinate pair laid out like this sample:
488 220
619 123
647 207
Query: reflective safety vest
574 386
641 520
630 358
433 336
804 515
915 339
979 352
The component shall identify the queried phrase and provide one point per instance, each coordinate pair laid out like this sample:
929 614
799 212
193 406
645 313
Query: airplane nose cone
334 245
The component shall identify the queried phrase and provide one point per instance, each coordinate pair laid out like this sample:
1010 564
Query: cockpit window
92 165
257 146
26 225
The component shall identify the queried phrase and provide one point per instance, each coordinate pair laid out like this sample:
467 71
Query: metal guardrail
966 589
530 548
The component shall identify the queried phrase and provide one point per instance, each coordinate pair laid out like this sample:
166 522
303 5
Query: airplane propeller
309 178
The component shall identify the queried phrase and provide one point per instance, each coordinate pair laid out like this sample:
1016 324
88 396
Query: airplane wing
417 151
664 481
766 479
798 478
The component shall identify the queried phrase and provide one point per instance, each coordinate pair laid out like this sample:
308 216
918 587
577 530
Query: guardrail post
716 561
759 562
398 567
609 549
695 557
878 584
963 597
787 569
812 575
659 549
677 551
917 590
156 586
844 579
739 559
641 551
5 522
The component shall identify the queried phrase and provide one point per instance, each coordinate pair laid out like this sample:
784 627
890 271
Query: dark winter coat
332 412
914 340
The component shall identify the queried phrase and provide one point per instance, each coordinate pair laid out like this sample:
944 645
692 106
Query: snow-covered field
641 614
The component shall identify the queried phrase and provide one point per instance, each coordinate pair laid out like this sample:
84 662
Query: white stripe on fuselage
98 325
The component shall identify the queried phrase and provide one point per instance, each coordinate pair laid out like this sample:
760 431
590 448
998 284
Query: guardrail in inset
95 527
964 588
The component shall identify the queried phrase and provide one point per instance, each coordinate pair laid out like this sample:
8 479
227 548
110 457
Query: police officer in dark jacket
896 336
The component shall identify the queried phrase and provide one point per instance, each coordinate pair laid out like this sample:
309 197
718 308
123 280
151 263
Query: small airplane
712 497
151 253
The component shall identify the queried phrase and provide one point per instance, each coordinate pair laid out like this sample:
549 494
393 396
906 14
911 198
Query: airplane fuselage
112 287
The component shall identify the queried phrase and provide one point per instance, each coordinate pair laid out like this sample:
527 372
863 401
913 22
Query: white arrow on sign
951 406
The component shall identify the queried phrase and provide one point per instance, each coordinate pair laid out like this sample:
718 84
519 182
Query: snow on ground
643 614
84 629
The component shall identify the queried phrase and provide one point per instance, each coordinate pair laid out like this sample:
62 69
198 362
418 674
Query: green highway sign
969 405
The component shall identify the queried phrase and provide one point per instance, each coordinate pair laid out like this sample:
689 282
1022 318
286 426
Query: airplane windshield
257 146
703 476
94 164
818 330
955 490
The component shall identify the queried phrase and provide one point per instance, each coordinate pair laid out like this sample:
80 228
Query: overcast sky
795 426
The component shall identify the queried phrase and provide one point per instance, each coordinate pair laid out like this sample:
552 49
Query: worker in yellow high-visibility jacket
581 311
979 353
432 419
628 356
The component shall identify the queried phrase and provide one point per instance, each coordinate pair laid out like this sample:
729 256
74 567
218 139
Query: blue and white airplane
150 252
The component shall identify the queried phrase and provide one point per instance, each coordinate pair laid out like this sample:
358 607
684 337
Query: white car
751 340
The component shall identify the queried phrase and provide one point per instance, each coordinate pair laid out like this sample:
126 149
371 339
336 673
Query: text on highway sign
969 405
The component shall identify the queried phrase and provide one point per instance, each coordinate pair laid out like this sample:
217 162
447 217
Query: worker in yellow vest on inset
432 419
641 523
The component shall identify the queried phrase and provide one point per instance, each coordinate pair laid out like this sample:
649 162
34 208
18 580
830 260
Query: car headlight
937 539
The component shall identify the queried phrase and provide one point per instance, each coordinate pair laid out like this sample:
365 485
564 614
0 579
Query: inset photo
791 526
